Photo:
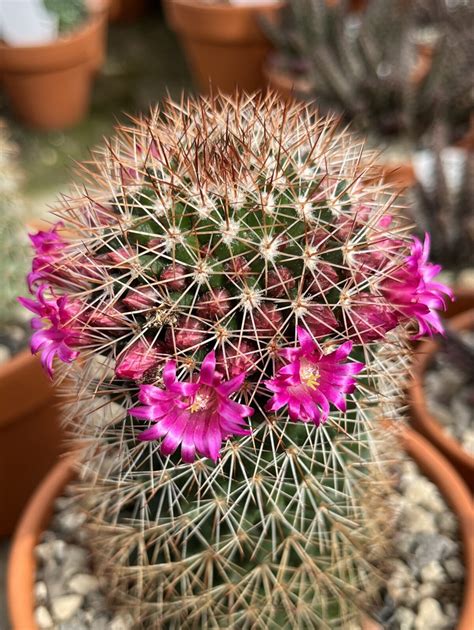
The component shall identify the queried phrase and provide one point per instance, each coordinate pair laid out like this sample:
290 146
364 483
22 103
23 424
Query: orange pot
22 563
224 44
422 419
49 86
30 434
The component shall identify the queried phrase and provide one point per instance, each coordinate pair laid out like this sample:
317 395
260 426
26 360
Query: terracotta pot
30 434
287 86
22 563
126 10
423 420
49 86
224 44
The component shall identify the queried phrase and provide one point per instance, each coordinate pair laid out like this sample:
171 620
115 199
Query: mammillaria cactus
233 297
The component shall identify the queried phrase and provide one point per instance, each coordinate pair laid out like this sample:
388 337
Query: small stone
448 523
41 592
84 583
432 573
430 615
69 520
5 354
64 607
452 611
121 623
424 493
417 519
431 547
427 589
43 618
404 618
45 551
454 568
75 561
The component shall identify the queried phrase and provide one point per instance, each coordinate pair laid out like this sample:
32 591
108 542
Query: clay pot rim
65 51
22 563
426 352
218 23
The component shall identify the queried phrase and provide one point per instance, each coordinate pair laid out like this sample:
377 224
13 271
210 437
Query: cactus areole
231 295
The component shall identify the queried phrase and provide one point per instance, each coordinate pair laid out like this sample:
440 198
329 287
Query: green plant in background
13 240
239 287
443 201
70 13
393 67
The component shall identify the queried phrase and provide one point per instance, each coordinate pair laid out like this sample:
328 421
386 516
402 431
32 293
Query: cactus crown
230 257
393 68
13 240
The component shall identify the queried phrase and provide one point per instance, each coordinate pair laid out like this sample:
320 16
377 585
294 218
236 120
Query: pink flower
312 381
48 245
412 292
197 415
138 359
370 317
57 332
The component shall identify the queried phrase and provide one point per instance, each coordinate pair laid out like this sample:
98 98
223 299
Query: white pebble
454 568
41 592
5 354
43 618
430 615
405 618
84 583
432 573
64 607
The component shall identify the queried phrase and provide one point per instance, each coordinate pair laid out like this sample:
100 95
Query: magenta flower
312 381
57 332
412 292
48 245
137 360
197 415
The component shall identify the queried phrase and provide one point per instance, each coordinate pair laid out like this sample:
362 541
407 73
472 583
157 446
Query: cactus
13 240
393 68
70 14
443 200
231 295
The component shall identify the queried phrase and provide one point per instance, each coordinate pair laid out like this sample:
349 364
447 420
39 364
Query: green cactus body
223 224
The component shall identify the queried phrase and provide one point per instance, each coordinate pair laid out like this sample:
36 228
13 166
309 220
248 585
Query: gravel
424 589
449 393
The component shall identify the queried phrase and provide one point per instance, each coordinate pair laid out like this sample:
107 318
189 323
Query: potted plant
48 85
392 69
223 41
27 417
232 310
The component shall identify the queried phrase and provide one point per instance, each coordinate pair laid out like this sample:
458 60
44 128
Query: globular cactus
13 239
233 291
